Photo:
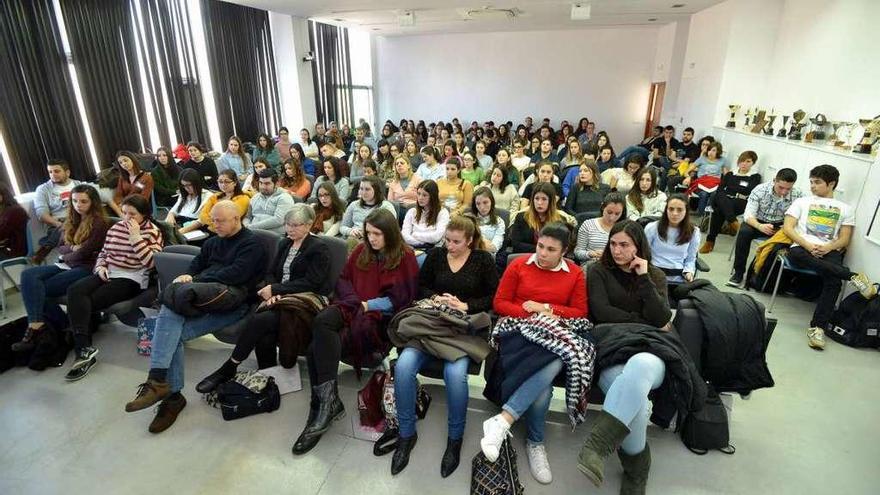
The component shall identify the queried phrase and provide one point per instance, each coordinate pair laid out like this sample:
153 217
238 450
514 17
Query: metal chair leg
776 287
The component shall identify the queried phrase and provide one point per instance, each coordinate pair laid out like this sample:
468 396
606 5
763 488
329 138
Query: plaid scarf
568 338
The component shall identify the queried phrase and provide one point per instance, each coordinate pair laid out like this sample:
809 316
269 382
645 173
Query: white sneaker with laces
538 463
816 338
495 430
863 284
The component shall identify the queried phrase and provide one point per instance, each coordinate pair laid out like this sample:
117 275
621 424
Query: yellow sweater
455 197
243 201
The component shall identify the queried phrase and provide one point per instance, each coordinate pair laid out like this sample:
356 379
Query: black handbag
707 429
193 299
496 478
237 401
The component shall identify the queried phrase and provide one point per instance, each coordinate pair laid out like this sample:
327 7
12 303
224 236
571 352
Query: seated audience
132 180
165 174
333 175
663 149
269 208
455 192
463 277
506 197
13 225
379 279
235 159
492 226
83 233
372 196
529 222
593 234
264 148
283 144
483 160
644 147
763 217
431 167
300 268
122 270
411 151
573 156
705 175
545 152
425 224
364 153
625 288
51 201
645 200
730 198
503 160
307 145
251 183
520 160
542 283
329 210
235 258
820 228
674 240
606 159
588 192
294 180
402 187
191 198
201 163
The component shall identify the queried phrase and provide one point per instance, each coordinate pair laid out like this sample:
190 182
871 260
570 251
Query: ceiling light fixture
580 11
406 18
678 6
652 19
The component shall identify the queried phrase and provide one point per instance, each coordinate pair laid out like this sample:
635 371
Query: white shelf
822 147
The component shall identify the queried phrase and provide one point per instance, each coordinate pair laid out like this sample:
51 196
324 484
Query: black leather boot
330 409
451 457
401 455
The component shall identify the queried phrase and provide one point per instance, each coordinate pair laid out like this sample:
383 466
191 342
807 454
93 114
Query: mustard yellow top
243 201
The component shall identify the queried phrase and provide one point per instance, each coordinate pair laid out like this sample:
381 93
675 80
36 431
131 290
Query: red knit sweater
565 292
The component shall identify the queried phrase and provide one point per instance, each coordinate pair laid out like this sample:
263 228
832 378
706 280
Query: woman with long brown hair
541 211
294 180
329 210
132 180
380 278
82 237
674 240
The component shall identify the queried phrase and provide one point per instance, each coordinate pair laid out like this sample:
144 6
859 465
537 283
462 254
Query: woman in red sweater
535 292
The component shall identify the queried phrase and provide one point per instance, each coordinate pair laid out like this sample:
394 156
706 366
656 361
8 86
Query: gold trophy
817 131
835 125
732 122
749 113
872 133
759 122
796 125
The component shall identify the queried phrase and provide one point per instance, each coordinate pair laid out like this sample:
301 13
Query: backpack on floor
496 478
708 429
249 393
10 333
856 322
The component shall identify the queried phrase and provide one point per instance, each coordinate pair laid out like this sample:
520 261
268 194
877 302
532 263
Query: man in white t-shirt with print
51 201
821 228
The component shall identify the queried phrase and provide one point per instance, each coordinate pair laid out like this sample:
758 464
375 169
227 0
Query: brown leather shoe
733 227
149 393
167 413
707 247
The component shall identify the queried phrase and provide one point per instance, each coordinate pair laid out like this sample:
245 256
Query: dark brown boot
167 413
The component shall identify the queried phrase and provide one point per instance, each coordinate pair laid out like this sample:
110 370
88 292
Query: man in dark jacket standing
235 258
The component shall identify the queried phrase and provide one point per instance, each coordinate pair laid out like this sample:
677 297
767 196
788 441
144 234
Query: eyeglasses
323 195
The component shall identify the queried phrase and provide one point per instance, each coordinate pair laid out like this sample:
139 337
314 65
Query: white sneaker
863 284
495 430
538 463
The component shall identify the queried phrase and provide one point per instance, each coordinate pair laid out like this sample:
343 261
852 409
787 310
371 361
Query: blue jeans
172 330
702 200
52 238
626 388
455 376
39 283
532 400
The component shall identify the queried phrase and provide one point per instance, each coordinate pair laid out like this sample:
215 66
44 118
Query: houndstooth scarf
568 338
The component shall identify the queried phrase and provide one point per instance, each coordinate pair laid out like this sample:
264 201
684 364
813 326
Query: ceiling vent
490 13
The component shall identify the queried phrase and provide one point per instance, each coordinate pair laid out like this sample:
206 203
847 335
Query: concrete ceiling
381 17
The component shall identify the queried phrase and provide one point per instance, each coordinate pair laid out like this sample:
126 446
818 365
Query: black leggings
726 210
260 335
326 349
90 295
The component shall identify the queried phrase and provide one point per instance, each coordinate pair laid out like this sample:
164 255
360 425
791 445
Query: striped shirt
124 260
591 237
767 207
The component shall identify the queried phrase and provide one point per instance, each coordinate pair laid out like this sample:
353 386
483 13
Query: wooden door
655 106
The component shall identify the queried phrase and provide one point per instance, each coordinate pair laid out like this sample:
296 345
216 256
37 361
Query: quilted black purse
496 478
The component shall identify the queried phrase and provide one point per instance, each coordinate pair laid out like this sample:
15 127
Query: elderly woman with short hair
297 281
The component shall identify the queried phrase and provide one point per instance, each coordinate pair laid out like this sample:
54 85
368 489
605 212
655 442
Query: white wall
296 89
603 74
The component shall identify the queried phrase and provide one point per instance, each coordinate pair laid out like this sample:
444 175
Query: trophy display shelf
823 147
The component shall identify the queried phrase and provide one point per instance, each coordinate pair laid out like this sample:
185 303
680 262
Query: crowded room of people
555 247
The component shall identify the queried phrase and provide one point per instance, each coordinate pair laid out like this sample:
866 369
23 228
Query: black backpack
237 401
856 322
707 429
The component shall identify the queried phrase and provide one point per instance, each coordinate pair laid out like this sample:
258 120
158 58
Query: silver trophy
782 130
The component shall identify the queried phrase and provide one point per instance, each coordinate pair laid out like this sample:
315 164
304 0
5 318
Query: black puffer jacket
735 337
682 389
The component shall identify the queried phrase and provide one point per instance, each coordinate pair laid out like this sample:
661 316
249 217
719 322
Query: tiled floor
816 432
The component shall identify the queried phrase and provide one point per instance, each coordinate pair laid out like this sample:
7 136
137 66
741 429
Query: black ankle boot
225 373
330 409
451 457
401 455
